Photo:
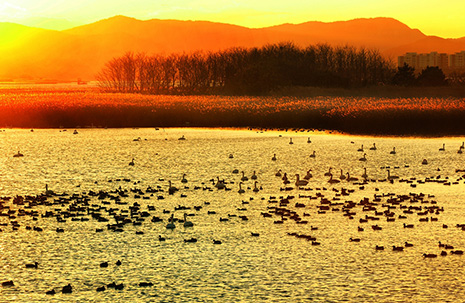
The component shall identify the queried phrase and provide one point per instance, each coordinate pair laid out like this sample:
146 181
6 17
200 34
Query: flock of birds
118 209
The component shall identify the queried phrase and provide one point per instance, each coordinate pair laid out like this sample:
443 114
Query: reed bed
71 108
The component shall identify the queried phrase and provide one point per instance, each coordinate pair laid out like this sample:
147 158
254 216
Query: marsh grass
48 108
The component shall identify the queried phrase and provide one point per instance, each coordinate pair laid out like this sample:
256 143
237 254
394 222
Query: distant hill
80 52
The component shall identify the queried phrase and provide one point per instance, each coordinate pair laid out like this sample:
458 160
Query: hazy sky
432 17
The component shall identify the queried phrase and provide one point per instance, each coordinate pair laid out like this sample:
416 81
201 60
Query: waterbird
349 178
254 176
132 162
171 189
308 175
186 222
278 173
244 178
255 189
184 180
290 141
373 147
308 140
67 289
328 173
391 177
32 265
364 175
313 155
360 149
8 283
393 151
299 182
241 191
332 181
18 154
364 158
170 224
274 157
443 148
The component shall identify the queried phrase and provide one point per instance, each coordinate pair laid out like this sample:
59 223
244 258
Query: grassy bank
48 108
381 91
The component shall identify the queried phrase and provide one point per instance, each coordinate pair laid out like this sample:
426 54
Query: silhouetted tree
245 71
404 76
432 76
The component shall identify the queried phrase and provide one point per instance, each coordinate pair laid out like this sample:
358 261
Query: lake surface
92 187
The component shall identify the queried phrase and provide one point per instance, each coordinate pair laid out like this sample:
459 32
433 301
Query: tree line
246 70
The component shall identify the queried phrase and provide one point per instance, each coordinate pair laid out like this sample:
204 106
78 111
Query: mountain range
81 52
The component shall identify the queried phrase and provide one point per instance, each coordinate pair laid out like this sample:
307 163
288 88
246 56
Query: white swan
187 223
170 224
391 177
349 178
332 181
365 176
254 176
220 184
308 175
241 191
255 188
18 155
299 182
171 189
328 173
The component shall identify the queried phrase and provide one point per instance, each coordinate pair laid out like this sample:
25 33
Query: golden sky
440 18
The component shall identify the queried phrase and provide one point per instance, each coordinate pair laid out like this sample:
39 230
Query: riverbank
371 115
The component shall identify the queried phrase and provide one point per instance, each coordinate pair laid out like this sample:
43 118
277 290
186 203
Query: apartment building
442 60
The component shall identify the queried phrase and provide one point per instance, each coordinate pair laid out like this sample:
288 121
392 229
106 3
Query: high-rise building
441 60
457 60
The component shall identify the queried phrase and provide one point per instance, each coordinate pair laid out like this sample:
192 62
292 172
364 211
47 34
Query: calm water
273 267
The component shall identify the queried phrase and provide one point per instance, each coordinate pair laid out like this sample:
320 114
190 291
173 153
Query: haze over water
276 266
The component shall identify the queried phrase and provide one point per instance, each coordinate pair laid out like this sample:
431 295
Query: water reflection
280 264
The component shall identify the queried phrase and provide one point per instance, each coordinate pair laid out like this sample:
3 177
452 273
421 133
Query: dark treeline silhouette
430 76
246 70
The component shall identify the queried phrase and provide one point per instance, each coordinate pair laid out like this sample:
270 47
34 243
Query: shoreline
327 110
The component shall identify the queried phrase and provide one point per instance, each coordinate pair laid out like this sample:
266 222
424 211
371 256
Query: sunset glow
432 18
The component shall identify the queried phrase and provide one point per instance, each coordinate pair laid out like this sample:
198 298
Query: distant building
421 61
457 60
